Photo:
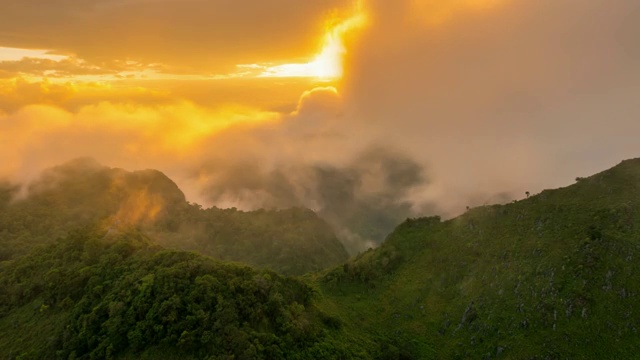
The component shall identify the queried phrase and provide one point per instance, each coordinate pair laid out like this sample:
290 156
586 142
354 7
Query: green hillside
290 241
554 276
82 192
103 296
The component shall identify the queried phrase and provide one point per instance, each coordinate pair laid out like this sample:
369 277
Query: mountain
554 276
82 192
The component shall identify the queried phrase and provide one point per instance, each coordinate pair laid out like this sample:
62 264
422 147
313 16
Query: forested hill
82 192
95 295
554 276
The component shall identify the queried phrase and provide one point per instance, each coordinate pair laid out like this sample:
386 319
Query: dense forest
95 295
553 276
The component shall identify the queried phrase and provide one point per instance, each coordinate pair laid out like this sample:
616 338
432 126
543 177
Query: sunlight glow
328 64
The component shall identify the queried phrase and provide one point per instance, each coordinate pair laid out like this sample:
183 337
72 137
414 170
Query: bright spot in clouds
328 64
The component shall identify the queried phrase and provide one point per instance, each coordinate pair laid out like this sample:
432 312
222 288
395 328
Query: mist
363 200
521 96
476 106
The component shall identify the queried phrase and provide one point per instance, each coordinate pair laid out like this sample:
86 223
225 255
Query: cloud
521 96
231 156
124 135
17 93
319 100
363 199
184 34
479 106
311 158
275 95
52 68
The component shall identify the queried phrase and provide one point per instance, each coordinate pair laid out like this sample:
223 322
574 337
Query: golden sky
487 96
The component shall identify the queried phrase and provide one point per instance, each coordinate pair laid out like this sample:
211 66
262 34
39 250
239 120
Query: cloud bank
518 96
475 105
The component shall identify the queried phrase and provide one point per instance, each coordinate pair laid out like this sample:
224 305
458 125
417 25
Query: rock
622 293
607 281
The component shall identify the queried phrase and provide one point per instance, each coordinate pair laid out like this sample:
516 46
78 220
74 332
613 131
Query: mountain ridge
551 276
82 192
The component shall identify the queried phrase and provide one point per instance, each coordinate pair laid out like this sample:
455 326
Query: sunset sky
443 103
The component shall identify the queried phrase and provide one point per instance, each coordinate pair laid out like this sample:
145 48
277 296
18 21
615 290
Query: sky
376 107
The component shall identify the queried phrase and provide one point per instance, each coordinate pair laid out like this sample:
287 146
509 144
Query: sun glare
328 64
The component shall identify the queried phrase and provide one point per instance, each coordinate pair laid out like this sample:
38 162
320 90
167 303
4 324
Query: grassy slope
552 276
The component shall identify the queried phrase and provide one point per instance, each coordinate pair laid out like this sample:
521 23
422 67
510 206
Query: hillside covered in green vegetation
553 276
83 192
93 295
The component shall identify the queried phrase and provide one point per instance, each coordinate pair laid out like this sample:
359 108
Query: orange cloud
436 12
124 135
187 36
16 93
492 96
279 95
318 99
